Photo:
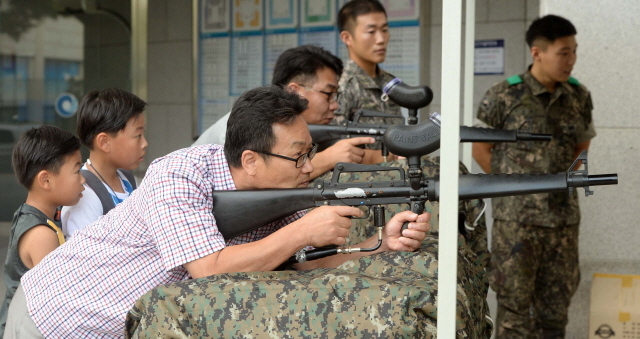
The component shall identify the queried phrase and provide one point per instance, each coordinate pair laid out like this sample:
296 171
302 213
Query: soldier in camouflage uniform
360 88
365 31
534 263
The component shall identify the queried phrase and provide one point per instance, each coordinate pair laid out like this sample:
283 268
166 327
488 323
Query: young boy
46 160
111 124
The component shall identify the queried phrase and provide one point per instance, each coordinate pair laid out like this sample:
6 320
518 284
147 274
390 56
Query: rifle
241 211
327 135
238 212
412 98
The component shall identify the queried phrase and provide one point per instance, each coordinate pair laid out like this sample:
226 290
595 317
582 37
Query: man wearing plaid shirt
165 232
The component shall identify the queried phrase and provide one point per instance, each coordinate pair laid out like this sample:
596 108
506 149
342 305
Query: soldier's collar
536 87
362 76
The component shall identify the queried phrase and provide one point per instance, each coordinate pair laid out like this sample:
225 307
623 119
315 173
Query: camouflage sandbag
387 295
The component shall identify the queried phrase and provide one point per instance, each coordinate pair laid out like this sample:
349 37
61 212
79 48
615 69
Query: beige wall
607 59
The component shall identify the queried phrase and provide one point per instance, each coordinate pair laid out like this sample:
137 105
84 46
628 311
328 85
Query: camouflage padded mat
387 295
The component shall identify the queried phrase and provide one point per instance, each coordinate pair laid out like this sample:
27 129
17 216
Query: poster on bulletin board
488 57
237 43
281 32
212 61
282 14
215 16
318 24
246 46
403 50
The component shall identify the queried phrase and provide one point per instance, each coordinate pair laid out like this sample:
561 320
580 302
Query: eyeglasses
301 160
331 96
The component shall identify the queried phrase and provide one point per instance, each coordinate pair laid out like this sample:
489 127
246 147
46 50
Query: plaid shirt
84 288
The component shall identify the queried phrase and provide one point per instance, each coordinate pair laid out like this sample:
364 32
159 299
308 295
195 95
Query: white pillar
449 150
469 49
139 44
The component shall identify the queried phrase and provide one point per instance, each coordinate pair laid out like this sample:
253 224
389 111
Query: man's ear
101 142
295 88
535 53
42 179
346 37
250 162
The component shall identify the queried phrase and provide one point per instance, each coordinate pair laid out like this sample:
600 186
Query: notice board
237 42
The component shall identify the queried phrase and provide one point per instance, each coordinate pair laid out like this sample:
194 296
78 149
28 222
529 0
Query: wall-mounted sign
66 105
489 57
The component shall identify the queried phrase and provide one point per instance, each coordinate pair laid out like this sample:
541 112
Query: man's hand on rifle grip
397 239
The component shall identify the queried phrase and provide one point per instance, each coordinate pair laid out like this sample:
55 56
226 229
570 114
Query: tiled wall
495 19
169 119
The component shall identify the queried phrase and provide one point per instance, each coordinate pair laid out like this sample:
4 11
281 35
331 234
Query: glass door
51 53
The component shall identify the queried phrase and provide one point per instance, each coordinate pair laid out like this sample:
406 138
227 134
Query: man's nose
333 106
145 144
573 59
307 167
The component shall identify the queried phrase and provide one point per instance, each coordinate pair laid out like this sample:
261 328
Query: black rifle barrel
594 180
323 134
524 136
479 134
479 186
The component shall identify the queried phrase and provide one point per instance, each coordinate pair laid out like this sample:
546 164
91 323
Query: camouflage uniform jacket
566 115
360 91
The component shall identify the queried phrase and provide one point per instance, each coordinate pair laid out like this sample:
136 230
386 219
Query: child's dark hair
549 28
353 9
42 148
106 111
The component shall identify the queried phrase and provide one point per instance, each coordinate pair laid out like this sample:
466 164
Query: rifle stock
239 212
